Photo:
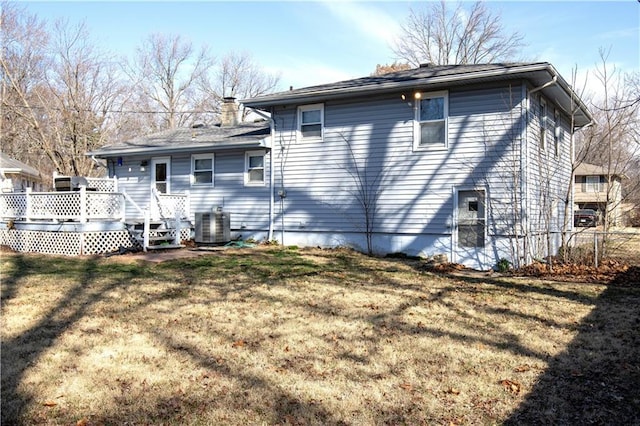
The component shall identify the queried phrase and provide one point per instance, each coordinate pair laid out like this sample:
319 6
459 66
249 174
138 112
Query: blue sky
320 42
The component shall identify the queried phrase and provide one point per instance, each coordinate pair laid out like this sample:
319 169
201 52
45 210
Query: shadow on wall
597 380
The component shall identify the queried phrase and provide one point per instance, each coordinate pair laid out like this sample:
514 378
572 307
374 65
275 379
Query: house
16 176
471 162
597 189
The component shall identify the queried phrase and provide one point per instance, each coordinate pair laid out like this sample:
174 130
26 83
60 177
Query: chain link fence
592 246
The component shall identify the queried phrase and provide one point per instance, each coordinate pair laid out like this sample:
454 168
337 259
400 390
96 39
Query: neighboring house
467 161
16 176
594 190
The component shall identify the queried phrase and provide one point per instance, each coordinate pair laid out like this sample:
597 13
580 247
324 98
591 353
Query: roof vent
427 65
197 125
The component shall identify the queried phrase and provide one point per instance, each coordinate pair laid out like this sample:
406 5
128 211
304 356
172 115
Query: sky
316 42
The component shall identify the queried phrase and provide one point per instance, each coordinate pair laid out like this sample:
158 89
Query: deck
91 220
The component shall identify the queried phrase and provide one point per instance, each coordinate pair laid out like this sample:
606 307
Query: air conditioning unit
213 227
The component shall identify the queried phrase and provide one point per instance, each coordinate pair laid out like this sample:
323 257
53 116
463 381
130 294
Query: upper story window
543 124
202 169
311 122
557 133
592 184
432 111
254 168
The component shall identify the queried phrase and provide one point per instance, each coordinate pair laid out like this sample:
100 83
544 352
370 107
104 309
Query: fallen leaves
607 270
511 386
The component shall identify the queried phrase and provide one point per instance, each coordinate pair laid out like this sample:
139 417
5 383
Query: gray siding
414 189
248 205
548 176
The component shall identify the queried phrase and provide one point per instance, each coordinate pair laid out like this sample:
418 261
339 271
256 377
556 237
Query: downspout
553 81
272 127
525 165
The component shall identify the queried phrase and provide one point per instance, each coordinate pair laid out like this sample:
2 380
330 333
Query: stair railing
146 214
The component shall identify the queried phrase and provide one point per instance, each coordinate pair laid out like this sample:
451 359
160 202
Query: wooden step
165 247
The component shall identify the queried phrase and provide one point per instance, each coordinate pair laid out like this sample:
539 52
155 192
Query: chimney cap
228 99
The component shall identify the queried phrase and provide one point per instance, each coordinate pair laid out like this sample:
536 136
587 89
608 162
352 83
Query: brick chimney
229 112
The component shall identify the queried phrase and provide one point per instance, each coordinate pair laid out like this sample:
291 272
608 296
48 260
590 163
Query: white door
470 230
161 174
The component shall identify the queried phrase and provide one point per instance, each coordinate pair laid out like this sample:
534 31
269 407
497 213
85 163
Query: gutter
272 127
117 152
350 88
321 92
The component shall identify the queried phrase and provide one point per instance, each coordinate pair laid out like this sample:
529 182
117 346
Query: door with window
470 235
161 174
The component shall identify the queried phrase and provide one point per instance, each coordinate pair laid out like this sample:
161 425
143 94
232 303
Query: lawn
284 336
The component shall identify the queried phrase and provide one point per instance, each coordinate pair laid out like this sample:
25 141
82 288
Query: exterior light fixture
143 165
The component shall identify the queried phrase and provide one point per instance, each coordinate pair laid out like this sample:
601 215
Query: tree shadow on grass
21 352
597 379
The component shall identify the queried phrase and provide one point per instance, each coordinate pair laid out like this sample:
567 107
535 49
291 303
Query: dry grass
278 336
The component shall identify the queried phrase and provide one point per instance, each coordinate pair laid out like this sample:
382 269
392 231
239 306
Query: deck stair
162 234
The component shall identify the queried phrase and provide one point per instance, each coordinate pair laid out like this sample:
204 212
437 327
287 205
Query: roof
13 166
432 77
191 139
586 169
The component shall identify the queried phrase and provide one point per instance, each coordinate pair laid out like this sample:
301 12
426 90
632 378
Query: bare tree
24 59
613 141
442 36
366 190
58 91
238 76
165 71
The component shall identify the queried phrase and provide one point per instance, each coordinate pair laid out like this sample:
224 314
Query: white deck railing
78 206
84 205
173 206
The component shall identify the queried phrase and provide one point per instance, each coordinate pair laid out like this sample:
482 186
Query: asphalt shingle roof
191 139
427 77
11 165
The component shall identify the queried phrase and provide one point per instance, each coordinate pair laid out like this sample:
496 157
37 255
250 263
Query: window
311 122
557 132
543 123
254 174
432 110
592 183
202 170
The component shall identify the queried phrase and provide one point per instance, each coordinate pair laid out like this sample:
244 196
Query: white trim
310 107
454 232
543 123
557 126
417 133
247 155
160 160
192 177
